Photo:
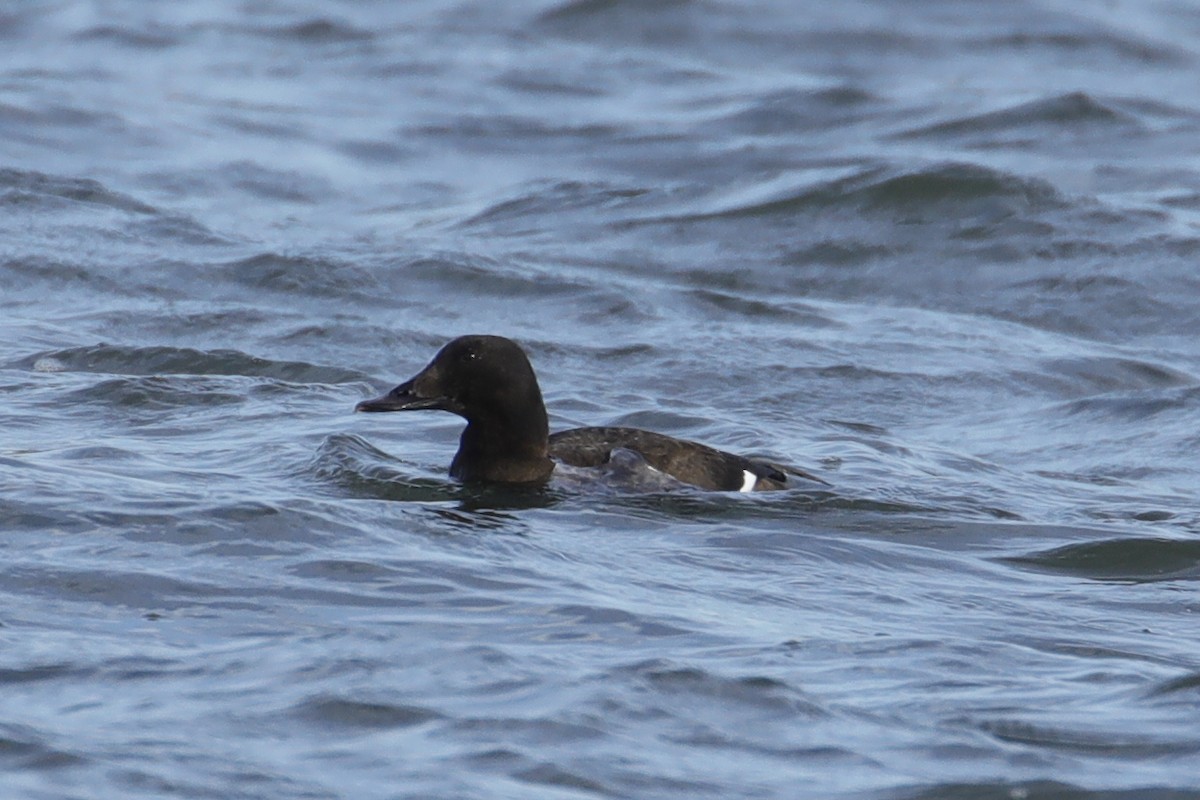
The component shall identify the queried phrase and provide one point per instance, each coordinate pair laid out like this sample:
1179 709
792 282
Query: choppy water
943 254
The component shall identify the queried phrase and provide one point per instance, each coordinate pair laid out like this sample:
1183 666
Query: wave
1125 559
129 360
25 187
943 192
1073 112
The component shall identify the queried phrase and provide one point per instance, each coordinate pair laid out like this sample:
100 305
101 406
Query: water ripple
158 361
1137 560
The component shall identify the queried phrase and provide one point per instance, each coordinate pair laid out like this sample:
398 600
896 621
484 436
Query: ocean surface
945 255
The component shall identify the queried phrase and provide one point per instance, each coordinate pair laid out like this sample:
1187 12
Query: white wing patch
748 481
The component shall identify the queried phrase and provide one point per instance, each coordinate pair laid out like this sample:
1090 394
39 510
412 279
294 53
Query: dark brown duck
489 382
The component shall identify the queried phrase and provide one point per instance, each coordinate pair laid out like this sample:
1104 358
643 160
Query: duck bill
403 398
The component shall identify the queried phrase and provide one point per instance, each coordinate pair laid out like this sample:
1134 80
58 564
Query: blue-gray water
944 254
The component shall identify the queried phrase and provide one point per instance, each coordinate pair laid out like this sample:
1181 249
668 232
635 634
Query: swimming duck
489 381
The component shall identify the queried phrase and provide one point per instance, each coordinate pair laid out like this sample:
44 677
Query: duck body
489 381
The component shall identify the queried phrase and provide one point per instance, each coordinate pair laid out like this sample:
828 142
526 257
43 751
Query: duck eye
470 354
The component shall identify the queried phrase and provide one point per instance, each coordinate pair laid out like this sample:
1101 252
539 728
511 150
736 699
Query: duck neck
505 447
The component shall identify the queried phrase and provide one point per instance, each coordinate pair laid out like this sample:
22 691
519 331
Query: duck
488 381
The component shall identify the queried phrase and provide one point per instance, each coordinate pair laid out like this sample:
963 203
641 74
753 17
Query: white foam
48 364
748 481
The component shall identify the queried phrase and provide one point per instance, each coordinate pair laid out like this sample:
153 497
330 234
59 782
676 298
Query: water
942 254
